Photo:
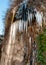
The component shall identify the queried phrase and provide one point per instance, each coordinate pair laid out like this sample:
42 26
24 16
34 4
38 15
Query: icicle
25 25
30 40
20 25
39 17
15 28
29 17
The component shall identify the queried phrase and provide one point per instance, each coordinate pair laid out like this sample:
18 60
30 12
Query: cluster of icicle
26 15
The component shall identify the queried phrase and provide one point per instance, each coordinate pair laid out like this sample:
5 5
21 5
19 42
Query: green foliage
41 42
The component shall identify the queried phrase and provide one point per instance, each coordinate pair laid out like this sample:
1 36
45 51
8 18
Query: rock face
17 44
1 39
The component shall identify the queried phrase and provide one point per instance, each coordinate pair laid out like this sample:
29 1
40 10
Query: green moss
41 42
